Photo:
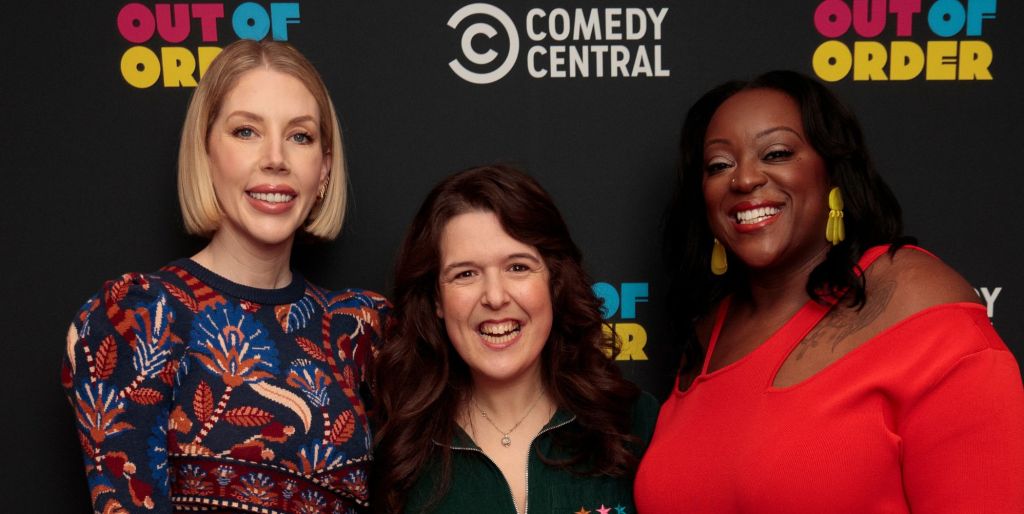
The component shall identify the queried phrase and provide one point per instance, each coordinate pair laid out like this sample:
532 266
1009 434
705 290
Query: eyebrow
510 257
767 131
759 135
257 117
710 142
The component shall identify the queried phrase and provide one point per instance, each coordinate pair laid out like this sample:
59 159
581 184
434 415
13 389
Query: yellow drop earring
835 231
719 264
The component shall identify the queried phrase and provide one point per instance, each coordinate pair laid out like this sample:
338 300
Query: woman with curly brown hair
496 390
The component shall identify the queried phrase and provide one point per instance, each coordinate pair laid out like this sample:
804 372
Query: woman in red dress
831 367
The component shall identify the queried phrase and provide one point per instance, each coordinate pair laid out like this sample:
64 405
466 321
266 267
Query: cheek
535 298
454 335
311 165
709 212
226 170
455 326
218 178
454 305
817 194
711 192
715 218
225 155
315 165
325 166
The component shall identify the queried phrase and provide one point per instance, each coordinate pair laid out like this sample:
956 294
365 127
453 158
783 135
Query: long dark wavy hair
422 382
871 212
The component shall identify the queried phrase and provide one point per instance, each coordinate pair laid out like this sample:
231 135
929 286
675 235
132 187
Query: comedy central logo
487 30
605 42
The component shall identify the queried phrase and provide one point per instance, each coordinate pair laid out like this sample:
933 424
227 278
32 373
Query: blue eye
302 138
244 132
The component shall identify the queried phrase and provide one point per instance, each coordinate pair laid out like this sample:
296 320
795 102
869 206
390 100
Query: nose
273 158
747 176
495 293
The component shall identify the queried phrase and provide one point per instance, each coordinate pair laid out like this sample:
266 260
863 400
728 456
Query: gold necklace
506 441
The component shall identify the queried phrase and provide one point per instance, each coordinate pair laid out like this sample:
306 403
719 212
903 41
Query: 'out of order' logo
620 302
954 50
566 43
158 34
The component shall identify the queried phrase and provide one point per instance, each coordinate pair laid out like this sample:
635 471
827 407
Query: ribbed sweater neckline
290 293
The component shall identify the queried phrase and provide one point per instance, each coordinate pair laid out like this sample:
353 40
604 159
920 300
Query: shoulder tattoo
841 322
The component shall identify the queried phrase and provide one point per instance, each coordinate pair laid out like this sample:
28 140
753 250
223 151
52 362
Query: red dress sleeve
964 437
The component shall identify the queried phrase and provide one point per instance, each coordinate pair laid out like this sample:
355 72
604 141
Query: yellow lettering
179 65
832 61
631 337
869 58
906 60
140 67
206 55
975 58
941 60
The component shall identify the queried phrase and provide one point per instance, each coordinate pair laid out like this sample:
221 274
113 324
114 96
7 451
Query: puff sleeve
118 374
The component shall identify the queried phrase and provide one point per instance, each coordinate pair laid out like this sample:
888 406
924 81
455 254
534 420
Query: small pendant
506 441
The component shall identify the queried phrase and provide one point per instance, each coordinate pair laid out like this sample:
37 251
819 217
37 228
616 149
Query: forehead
478 236
752 110
264 88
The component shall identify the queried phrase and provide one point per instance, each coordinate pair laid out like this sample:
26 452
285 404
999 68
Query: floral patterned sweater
194 393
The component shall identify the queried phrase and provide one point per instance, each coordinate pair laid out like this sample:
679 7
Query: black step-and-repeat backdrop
587 95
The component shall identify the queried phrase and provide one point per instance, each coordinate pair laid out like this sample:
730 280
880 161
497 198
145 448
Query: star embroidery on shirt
604 510
582 511
619 509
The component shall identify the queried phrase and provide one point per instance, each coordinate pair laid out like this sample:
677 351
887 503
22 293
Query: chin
503 373
759 262
763 254
755 257
275 236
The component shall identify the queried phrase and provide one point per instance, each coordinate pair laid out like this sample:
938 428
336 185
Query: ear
438 310
325 170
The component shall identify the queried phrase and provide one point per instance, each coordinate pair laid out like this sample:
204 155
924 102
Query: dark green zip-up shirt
478 486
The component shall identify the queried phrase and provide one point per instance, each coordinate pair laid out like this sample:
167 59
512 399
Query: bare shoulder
916 281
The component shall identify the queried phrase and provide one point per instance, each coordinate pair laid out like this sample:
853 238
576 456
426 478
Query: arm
359 321
964 439
117 374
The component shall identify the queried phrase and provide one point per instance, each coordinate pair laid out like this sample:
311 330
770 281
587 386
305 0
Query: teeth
756 215
272 197
499 332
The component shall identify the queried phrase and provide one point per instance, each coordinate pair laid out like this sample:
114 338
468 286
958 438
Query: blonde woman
226 381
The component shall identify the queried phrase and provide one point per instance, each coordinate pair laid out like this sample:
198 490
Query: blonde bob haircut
199 206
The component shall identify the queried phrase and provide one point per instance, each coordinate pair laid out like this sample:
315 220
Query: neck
777 289
246 263
508 403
